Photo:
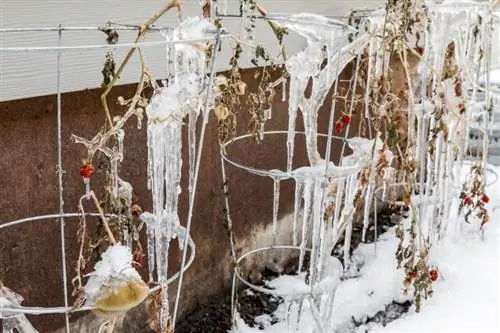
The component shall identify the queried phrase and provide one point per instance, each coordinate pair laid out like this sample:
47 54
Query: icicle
443 185
299 192
283 91
308 207
267 116
325 247
309 64
436 191
114 175
317 318
276 202
86 181
338 211
347 246
151 252
300 306
316 264
120 135
140 116
288 306
193 116
292 116
181 95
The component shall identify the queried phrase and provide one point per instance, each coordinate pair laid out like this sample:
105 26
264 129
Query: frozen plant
114 286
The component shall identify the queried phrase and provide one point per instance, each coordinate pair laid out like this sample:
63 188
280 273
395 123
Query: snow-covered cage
459 44
115 285
325 191
450 49
476 135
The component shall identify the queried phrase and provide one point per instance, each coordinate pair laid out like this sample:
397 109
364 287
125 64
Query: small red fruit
87 170
433 275
468 201
138 259
339 127
420 50
485 198
346 120
461 106
136 211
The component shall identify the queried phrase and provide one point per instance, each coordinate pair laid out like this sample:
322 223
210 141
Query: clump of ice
8 298
116 264
165 104
173 101
362 149
264 320
13 322
314 27
318 170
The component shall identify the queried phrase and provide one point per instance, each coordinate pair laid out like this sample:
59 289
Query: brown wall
30 253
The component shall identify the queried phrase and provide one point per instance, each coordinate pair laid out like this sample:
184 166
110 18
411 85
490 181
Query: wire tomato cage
11 310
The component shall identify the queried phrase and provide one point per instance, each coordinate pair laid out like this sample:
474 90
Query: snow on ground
466 296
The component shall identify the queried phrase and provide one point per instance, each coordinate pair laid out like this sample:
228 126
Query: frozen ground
466 295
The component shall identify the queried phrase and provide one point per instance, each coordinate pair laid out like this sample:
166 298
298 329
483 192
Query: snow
466 299
466 295
115 264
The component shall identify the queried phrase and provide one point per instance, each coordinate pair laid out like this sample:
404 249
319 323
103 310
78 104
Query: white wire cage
12 311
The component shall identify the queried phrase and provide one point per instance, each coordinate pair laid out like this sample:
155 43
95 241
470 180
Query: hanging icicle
181 96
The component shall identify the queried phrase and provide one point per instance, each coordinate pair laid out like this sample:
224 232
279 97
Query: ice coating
462 23
439 118
320 183
314 27
367 153
180 96
13 322
329 43
116 264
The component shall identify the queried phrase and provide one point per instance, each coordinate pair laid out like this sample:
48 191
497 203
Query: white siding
31 74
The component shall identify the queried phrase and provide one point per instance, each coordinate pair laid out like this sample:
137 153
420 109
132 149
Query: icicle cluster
438 115
326 55
182 95
322 185
463 26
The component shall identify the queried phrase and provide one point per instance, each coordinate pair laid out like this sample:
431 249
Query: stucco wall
32 74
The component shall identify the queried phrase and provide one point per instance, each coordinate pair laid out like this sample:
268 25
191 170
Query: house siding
31 74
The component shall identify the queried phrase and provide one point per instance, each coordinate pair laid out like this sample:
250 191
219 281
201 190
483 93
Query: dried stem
103 218
99 141
142 34
276 29
439 76
83 230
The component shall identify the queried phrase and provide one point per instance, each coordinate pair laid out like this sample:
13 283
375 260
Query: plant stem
82 241
103 218
101 139
276 30
140 38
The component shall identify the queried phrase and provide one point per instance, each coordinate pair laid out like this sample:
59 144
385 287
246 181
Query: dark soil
216 316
